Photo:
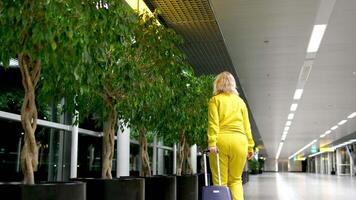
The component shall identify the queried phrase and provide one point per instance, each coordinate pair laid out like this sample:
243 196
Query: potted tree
159 61
195 133
104 87
253 166
186 123
41 36
126 77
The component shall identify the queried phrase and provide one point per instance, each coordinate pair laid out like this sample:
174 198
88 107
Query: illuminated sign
313 149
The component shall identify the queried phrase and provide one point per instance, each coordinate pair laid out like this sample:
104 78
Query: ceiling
267 42
264 43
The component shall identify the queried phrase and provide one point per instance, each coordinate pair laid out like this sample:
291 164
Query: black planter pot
118 189
254 172
10 190
187 187
44 191
161 188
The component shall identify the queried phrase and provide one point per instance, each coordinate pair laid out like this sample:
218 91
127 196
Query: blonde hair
225 83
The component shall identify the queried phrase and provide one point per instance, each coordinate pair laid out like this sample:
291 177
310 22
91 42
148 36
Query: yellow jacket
228 113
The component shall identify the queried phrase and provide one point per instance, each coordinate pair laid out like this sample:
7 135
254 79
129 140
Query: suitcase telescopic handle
206 168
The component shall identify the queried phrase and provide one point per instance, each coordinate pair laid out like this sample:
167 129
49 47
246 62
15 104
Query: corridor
299 186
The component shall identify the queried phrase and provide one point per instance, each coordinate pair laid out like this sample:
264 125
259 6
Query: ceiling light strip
298 94
352 115
302 149
279 150
344 144
315 154
316 38
342 122
293 107
291 116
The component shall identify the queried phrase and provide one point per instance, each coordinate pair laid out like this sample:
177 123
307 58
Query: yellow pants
232 152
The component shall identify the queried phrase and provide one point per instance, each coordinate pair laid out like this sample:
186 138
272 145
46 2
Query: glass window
52 160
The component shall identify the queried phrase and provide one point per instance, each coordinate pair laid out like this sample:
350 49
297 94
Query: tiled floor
299 186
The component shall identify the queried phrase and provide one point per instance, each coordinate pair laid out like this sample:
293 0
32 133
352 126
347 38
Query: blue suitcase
214 192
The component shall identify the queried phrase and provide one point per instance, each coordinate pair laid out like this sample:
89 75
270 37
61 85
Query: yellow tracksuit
229 130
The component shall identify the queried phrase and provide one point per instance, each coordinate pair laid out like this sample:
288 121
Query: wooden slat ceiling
195 21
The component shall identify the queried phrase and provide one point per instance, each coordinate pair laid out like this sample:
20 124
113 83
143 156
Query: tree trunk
180 155
189 168
108 144
183 162
30 72
146 169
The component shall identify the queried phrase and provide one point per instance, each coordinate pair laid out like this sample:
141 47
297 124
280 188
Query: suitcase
211 192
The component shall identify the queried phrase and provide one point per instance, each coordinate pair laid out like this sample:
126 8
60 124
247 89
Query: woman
229 133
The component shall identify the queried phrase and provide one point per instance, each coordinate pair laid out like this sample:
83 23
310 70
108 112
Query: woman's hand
213 150
249 155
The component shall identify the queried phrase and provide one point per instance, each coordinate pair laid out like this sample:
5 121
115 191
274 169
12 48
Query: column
338 161
154 157
74 147
175 159
350 157
160 159
123 151
329 164
193 158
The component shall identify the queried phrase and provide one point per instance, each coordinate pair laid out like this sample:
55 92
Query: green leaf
53 45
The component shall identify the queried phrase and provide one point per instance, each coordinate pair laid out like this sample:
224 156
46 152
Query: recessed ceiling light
286 128
290 116
316 37
323 135
334 127
293 107
352 115
342 122
298 94
288 123
327 132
